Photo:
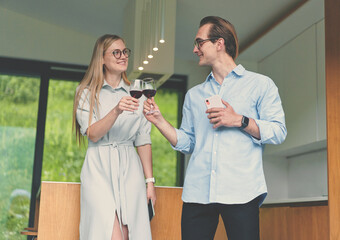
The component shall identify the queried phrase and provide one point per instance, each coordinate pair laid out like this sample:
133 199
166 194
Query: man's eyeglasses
118 53
199 42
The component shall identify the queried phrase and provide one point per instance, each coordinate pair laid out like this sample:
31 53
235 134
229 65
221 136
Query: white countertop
296 200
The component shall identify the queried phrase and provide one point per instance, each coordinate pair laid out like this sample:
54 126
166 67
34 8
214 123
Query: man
225 175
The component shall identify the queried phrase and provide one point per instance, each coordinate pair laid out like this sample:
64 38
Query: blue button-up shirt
226 163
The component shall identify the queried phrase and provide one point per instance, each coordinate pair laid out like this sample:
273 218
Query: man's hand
156 115
224 116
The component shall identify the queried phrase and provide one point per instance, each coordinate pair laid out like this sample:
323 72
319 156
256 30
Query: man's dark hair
221 28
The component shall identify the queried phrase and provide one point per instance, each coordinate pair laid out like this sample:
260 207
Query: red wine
135 93
149 93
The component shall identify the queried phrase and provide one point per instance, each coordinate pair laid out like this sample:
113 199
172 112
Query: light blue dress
112 178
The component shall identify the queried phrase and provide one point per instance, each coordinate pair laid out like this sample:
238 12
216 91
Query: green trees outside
63 158
18 120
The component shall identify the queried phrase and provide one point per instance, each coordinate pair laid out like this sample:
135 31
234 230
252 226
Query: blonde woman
113 193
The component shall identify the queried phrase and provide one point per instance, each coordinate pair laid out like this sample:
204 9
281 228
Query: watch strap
150 180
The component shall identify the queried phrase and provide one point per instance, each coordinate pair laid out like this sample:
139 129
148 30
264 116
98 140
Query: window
168 165
63 158
19 110
164 157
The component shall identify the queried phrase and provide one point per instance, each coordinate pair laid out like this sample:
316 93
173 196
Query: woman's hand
151 192
127 103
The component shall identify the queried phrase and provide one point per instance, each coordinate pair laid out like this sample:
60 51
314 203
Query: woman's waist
111 143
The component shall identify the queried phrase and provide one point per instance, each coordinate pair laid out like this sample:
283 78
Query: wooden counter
58 214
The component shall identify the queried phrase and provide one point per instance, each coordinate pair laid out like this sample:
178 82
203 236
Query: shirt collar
121 85
238 70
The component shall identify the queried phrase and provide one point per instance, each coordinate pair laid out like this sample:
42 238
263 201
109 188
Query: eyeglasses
117 53
199 42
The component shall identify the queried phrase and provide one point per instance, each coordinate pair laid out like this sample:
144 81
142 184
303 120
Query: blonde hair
94 79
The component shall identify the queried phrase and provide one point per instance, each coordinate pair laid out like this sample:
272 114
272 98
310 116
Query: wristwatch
244 122
150 180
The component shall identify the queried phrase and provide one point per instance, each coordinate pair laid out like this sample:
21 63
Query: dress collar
121 85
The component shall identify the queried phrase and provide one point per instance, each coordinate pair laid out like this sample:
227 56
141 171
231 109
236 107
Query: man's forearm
168 131
253 129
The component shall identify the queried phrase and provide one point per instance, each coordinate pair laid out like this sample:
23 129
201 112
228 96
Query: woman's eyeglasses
118 53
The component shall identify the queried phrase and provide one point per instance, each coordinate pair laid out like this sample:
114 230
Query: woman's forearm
97 130
145 156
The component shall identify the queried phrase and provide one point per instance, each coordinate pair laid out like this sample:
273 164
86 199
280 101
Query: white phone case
214 102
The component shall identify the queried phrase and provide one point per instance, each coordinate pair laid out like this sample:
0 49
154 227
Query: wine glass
149 90
136 88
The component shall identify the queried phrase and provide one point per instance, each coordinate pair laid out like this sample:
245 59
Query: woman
113 194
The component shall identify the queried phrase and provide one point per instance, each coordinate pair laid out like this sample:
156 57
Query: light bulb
145 61
150 56
155 49
140 68
162 41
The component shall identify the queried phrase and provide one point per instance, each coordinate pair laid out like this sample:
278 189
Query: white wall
276 173
307 175
196 74
298 167
249 65
27 38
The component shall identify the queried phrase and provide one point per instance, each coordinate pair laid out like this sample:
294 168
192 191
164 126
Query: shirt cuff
181 144
142 139
83 131
265 131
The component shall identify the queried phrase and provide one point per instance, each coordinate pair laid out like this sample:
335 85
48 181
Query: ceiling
95 18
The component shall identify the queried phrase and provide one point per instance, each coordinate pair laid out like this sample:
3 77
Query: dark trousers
241 221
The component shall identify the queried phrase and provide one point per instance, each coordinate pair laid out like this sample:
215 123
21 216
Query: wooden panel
168 211
332 40
29 233
273 223
59 211
294 223
310 223
220 231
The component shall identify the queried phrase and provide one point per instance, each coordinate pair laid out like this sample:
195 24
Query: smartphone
151 210
214 102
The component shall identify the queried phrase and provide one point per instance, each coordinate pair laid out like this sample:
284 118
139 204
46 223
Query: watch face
245 122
